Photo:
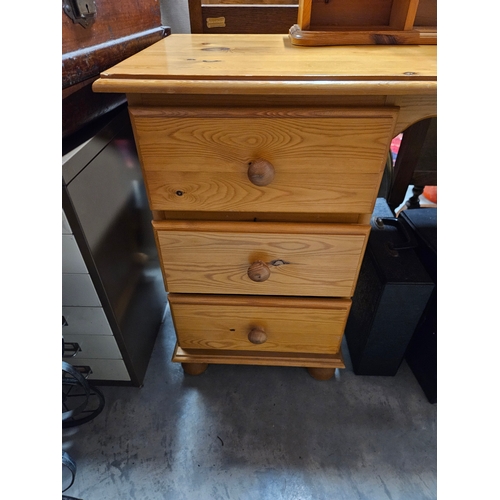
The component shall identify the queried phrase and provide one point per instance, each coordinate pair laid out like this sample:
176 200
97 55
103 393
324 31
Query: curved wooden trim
261 227
263 358
267 87
259 301
354 37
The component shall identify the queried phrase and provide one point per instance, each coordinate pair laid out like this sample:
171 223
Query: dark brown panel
113 20
351 13
87 62
426 13
83 106
118 30
256 19
195 16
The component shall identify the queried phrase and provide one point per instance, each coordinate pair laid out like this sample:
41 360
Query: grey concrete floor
245 432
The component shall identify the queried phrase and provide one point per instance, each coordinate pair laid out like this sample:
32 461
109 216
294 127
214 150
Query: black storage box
391 295
421 354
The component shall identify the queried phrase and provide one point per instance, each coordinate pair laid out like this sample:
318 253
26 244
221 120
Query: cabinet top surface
221 63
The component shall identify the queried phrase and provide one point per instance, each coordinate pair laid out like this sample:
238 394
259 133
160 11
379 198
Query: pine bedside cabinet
262 162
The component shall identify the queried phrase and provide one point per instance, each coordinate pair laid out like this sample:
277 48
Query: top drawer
263 160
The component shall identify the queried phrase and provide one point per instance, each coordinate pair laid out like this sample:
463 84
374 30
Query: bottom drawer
259 324
214 356
94 346
103 369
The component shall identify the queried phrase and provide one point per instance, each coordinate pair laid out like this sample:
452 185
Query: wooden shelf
364 22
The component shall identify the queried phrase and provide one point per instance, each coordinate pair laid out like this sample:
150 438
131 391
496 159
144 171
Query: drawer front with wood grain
263 160
260 324
260 258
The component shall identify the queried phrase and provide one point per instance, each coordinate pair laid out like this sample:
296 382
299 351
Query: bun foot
321 373
194 368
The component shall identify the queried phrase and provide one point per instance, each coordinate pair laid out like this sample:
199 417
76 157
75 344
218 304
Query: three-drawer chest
262 162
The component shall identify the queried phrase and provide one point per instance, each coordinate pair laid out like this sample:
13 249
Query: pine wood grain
201 163
310 260
260 58
320 87
223 102
365 22
205 106
325 36
403 14
412 108
214 356
290 325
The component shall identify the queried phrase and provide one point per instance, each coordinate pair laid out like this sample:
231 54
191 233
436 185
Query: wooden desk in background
262 162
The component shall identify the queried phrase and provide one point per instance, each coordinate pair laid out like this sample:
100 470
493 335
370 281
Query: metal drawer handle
71 349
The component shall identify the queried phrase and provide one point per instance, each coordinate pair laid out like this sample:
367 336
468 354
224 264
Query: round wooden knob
258 271
257 336
260 172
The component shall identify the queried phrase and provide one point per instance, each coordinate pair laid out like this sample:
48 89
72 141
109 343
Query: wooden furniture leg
321 373
194 368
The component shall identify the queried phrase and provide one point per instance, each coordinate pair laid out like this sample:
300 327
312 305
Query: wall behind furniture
175 13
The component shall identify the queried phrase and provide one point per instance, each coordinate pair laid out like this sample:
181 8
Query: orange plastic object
430 192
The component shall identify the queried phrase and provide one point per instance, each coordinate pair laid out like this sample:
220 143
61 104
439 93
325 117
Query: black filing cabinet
112 286
421 354
393 290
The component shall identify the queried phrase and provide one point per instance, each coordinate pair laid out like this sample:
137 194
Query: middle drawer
261 258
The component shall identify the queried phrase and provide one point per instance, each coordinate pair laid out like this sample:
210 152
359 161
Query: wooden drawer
323 160
291 325
231 257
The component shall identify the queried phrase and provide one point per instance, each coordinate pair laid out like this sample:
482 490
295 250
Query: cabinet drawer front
66 228
79 290
94 346
104 369
323 161
220 257
85 321
72 259
289 324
